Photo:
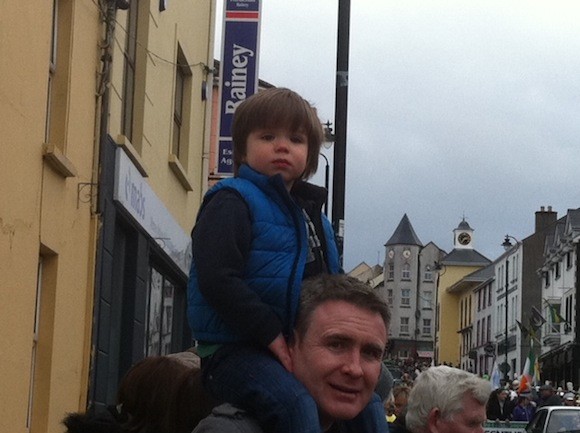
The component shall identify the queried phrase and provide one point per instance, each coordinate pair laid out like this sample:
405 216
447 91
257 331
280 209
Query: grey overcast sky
455 108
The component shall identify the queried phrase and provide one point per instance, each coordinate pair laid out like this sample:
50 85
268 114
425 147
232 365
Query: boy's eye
268 137
299 138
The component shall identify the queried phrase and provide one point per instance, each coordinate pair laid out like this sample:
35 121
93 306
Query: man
569 399
499 406
447 400
401 399
548 396
514 388
336 352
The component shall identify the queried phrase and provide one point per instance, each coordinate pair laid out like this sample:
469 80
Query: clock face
391 254
406 254
464 238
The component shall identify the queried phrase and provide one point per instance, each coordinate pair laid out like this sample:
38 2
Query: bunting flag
495 377
554 315
537 320
537 378
534 335
527 378
556 319
525 331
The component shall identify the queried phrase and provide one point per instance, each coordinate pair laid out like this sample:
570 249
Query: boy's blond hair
277 107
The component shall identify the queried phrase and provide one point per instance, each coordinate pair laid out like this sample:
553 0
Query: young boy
257 236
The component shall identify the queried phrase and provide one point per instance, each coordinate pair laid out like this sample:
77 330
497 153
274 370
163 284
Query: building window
568 259
129 66
42 334
391 272
488 329
489 295
426 326
427 300
404 325
57 100
547 278
51 70
557 270
428 273
160 314
35 339
406 297
403 353
406 275
390 297
181 108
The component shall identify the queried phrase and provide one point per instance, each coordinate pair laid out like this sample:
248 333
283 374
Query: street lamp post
326 181
507 246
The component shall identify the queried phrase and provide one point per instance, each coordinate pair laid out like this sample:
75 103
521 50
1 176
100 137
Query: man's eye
336 344
373 354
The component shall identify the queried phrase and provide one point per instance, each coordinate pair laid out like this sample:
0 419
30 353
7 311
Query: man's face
339 358
468 420
401 401
502 395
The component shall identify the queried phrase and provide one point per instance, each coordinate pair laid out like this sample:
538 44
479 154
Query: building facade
104 108
559 308
48 230
154 145
408 284
454 317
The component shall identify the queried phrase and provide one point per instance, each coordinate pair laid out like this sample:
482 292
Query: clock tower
463 236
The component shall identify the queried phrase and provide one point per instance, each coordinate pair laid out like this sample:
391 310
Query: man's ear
293 341
292 345
433 420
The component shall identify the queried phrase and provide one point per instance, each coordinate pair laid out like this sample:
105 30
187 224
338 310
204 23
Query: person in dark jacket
258 235
548 396
499 406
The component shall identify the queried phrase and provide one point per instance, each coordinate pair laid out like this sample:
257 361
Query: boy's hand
280 349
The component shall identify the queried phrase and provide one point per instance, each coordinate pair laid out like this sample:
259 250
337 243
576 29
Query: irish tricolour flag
530 374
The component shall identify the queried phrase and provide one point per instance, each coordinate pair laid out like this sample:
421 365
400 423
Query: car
555 419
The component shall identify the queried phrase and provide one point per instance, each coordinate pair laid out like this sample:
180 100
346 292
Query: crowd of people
507 403
512 403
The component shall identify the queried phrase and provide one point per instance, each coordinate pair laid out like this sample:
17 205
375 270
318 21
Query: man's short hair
324 288
277 107
444 388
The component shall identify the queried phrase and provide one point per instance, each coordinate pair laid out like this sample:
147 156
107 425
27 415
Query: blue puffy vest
277 257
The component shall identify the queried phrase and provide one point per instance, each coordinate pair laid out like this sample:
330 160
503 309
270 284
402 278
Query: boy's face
278 151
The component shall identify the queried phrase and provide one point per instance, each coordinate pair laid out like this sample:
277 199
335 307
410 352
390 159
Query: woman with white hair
447 400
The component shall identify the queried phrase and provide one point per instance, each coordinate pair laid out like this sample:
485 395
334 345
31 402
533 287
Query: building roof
404 234
463 225
473 280
465 257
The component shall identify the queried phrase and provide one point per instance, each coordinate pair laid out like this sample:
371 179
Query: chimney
545 218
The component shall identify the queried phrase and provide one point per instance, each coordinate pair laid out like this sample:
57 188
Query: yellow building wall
189 25
448 340
40 213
